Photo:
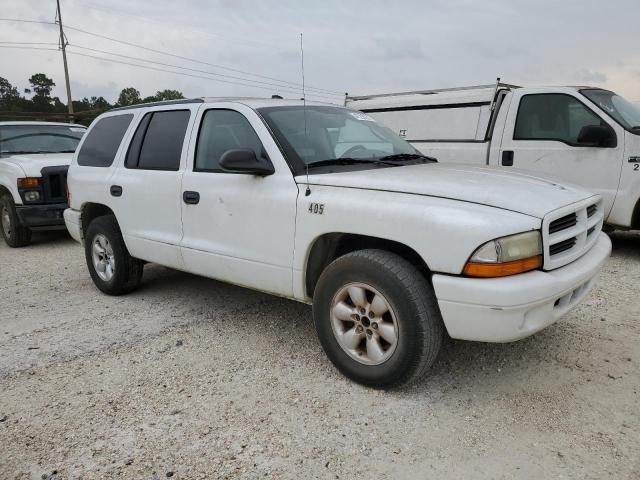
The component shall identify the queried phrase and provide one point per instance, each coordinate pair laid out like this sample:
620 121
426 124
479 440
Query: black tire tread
133 268
21 235
421 295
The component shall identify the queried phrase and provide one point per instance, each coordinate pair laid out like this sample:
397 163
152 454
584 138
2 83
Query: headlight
32 196
506 256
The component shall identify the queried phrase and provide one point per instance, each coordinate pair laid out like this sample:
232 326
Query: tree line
37 98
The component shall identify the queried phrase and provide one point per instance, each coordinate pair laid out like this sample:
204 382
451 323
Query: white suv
323 205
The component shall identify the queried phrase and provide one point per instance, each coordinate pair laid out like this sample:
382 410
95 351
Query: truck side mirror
597 136
244 160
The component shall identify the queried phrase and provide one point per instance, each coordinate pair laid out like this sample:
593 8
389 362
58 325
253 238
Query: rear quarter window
157 143
103 140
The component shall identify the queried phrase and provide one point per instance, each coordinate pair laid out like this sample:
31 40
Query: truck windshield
621 110
16 139
322 134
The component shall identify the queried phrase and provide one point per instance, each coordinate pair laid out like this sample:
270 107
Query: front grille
563 223
570 232
54 184
562 246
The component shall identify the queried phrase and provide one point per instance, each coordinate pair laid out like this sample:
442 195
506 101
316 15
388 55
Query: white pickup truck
584 135
34 158
323 205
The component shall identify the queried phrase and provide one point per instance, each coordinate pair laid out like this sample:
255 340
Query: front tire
112 269
15 234
377 318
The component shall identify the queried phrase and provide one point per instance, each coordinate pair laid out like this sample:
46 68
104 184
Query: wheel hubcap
103 259
6 221
364 323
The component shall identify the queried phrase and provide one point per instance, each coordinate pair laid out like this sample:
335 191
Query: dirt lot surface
191 378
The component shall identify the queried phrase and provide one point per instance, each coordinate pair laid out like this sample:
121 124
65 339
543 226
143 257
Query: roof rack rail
431 92
158 104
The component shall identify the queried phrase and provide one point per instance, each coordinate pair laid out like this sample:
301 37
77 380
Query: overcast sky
358 47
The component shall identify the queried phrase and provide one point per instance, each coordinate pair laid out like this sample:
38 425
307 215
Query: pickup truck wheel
111 267
15 234
377 318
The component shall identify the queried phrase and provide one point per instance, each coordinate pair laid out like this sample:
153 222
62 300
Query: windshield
332 133
621 110
39 138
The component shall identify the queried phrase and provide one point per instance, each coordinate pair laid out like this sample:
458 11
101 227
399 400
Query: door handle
507 158
115 190
192 198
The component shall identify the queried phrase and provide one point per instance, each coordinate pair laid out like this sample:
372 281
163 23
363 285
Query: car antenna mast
304 110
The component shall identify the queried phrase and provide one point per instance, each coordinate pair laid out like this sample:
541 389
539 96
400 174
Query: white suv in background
323 205
34 158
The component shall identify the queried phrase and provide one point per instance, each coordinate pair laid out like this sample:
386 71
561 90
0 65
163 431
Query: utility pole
63 45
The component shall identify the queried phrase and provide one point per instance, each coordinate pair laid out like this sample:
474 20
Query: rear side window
553 117
221 131
157 143
101 145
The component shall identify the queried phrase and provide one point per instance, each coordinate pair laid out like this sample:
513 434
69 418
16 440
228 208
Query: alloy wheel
364 323
6 221
103 258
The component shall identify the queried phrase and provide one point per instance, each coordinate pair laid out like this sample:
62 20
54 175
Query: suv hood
32 163
515 190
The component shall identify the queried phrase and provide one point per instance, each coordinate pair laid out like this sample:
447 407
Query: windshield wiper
409 156
348 161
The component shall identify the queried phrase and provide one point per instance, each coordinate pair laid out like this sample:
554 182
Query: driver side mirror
244 160
597 136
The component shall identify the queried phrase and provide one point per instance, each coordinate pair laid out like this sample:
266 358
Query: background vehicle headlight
32 196
506 256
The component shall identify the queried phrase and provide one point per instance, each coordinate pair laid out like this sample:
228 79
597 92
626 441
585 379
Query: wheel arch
4 190
635 217
90 211
329 246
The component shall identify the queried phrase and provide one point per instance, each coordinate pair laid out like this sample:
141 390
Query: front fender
443 232
9 174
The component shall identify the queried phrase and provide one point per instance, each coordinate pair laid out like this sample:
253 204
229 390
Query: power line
27 43
121 13
290 90
191 69
285 82
20 20
8 42
30 48
197 61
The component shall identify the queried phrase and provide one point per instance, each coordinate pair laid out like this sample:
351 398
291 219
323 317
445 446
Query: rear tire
15 234
397 346
112 269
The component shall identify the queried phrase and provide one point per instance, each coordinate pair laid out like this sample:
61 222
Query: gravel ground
191 378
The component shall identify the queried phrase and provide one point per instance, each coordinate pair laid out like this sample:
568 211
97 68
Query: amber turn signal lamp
28 182
488 270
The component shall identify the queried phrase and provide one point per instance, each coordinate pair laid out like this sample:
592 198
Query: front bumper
72 221
49 215
510 308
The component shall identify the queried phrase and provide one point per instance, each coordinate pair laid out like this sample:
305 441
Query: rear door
238 227
541 135
146 189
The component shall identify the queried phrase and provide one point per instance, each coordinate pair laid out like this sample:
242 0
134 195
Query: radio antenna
304 110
